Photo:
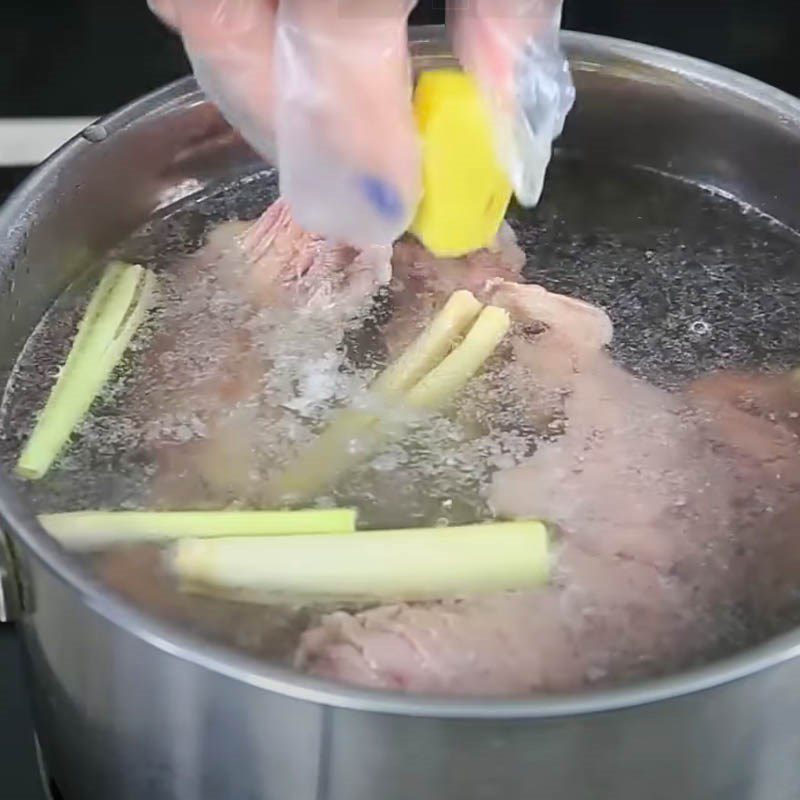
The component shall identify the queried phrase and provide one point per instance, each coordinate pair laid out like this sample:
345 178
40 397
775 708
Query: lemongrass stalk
349 437
446 380
114 313
348 440
97 301
409 564
91 530
355 436
431 346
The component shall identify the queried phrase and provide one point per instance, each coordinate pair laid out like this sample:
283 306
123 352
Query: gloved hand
322 89
512 49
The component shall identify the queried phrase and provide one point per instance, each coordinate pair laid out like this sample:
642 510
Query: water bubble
700 327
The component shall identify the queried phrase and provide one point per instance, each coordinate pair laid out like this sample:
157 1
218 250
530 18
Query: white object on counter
27 141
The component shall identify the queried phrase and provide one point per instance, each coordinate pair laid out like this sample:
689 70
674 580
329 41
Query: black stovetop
19 775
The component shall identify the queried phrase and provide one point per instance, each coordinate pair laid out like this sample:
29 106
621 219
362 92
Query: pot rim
22 525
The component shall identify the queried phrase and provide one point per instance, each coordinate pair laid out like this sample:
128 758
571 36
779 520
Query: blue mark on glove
382 196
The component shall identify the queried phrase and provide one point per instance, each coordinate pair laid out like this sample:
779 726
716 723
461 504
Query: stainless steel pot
128 707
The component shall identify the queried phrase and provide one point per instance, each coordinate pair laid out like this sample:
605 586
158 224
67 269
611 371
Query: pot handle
10 605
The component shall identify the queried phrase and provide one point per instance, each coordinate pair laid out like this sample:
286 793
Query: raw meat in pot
275 278
421 283
647 574
278 263
517 642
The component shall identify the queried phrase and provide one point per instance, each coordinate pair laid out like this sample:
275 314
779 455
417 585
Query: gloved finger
230 45
166 11
512 48
347 143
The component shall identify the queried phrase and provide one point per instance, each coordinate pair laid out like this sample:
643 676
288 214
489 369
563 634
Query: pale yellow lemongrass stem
445 381
407 564
112 317
350 436
431 346
91 530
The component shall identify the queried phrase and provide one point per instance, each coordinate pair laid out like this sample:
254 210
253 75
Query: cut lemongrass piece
411 564
114 313
355 436
346 442
350 437
431 346
91 530
445 381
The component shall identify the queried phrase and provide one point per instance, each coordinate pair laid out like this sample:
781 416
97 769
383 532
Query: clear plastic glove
322 89
512 49
230 45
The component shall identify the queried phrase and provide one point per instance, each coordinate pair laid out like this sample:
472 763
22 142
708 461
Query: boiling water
216 395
